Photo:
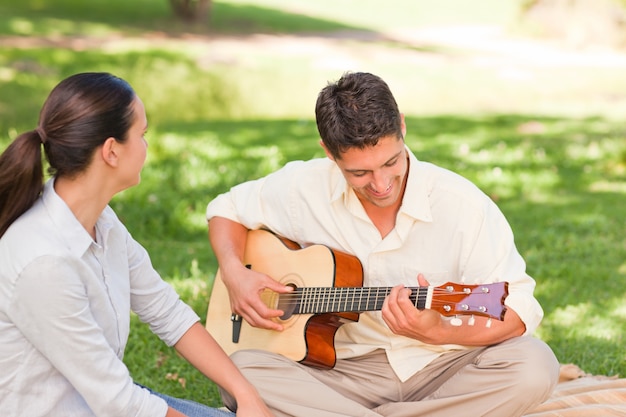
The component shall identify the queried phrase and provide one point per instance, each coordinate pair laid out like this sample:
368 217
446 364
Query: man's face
377 173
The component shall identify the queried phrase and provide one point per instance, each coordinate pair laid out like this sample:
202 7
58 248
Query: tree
193 11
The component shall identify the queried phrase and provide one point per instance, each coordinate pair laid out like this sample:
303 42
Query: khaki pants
503 380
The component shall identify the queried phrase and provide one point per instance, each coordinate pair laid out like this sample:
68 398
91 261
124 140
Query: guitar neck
317 300
449 299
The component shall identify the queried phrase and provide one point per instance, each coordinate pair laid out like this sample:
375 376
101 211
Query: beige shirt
446 229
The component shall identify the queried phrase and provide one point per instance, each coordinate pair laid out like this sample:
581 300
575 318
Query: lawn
539 130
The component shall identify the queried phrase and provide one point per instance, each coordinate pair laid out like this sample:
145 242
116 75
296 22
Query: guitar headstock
487 300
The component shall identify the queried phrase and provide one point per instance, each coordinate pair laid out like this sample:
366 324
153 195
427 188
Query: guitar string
294 299
341 294
372 289
316 299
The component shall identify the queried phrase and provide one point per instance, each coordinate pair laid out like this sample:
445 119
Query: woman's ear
109 152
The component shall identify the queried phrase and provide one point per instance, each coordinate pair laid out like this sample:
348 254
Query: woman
70 273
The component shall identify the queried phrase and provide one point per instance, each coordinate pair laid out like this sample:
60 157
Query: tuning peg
488 323
456 322
471 320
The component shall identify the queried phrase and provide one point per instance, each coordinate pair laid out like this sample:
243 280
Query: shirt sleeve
51 307
155 301
267 202
495 258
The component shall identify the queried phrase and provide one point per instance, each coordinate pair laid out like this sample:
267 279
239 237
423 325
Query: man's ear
328 154
109 152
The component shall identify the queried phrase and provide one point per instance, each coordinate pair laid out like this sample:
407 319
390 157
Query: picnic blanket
579 394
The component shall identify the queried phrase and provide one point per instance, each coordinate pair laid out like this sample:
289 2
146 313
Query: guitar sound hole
289 303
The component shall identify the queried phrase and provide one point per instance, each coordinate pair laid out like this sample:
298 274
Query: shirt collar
67 226
341 187
416 202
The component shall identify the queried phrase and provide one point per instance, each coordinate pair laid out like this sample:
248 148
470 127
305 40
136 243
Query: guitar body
306 338
328 291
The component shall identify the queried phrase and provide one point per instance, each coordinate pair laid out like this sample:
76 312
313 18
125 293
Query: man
408 222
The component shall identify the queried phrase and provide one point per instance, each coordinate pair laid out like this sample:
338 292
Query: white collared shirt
65 304
446 229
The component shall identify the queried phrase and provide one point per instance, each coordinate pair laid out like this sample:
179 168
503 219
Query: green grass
548 145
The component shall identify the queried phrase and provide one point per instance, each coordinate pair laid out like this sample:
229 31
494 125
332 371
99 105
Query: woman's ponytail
21 177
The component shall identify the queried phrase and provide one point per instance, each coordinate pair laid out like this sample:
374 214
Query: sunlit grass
543 143
58 27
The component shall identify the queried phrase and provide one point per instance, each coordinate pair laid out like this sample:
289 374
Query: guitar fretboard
317 300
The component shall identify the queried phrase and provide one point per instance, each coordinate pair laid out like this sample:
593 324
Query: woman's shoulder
32 237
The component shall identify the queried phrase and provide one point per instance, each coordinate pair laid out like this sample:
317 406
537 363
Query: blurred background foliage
490 89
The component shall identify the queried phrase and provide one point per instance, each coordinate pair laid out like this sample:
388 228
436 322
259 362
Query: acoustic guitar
328 292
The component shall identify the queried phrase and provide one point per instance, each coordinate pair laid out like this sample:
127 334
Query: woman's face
135 147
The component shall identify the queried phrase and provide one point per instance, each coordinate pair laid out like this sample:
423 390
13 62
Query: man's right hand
245 287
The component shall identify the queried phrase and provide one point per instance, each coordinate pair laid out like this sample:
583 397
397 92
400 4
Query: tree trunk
195 11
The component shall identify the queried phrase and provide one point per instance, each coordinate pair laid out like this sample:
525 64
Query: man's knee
533 368
541 370
252 358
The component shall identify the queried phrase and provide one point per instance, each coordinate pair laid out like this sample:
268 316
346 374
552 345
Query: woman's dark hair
78 116
356 111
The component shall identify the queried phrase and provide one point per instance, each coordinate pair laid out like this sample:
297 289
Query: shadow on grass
166 79
560 181
75 17
54 21
570 234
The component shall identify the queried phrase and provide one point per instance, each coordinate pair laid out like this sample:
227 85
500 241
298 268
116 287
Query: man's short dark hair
356 111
